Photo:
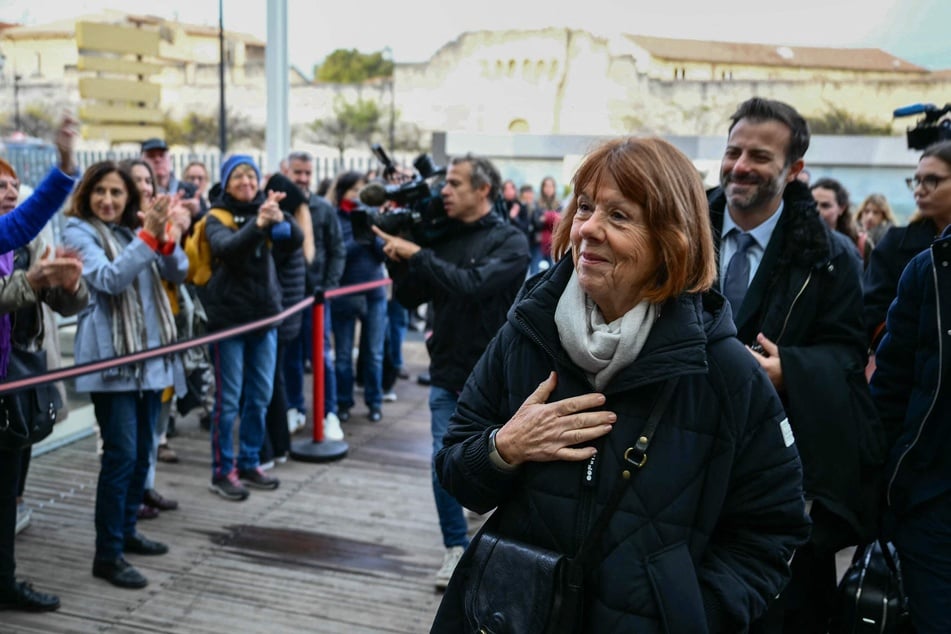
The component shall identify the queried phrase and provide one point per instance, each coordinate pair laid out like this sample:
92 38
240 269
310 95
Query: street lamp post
389 54
16 100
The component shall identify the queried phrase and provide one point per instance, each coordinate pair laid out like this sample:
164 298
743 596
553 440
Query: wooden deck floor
349 546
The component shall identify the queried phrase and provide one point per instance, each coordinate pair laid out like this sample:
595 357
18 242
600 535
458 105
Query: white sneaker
389 397
332 429
266 466
449 562
24 515
292 420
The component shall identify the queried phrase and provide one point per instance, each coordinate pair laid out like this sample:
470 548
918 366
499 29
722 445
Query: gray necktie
737 278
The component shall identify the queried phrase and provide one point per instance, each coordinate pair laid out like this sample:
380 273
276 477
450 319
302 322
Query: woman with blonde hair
875 216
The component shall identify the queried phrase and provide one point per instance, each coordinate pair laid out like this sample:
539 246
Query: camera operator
471 275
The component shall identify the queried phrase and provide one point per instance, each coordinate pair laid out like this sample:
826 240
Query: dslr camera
933 127
418 212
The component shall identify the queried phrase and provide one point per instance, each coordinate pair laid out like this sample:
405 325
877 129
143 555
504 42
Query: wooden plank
347 547
115 38
122 132
119 90
96 112
117 65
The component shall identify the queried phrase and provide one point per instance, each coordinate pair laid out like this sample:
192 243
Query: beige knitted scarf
599 348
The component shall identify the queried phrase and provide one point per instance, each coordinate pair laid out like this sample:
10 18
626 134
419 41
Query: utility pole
222 110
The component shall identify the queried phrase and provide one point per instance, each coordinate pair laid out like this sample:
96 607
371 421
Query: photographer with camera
471 274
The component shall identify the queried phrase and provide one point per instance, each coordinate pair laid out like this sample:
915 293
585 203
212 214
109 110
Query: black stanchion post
318 449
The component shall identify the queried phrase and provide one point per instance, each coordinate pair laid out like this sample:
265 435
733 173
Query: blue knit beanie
233 161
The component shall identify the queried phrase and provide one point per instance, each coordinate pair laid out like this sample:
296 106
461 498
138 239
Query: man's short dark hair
758 110
483 173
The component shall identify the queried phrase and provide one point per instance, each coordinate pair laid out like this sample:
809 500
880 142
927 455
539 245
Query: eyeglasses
4 183
928 182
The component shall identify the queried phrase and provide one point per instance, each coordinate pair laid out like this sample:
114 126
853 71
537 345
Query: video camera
419 212
933 127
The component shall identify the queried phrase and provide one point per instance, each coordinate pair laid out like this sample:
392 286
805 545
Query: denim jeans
244 376
397 322
126 423
923 540
452 521
294 356
330 366
372 315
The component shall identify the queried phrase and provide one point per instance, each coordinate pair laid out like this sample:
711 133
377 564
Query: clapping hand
179 218
60 269
270 212
155 214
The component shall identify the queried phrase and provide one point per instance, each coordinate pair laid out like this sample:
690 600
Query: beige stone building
566 81
547 81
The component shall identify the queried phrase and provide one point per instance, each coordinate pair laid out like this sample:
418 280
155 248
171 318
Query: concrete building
546 81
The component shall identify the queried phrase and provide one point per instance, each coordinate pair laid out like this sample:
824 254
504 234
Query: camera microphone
373 195
913 109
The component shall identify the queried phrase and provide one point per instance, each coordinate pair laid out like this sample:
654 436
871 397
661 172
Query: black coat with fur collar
806 297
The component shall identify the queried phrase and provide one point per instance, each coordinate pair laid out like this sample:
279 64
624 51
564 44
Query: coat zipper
791 306
934 400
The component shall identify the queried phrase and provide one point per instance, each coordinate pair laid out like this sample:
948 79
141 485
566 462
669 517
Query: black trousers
805 605
277 440
9 486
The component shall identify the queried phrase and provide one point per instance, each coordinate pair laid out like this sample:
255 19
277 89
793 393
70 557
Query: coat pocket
674 583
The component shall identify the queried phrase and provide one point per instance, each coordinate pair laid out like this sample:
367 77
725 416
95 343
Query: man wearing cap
155 153
244 288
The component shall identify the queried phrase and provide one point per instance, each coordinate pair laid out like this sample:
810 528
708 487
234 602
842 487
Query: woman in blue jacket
911 390
25 222
124 263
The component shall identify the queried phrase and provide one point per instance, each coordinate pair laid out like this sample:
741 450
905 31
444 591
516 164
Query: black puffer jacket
806 297
910 385
289 258
243 285
701 539
889 259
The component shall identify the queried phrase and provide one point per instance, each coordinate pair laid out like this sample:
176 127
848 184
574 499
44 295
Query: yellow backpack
198 249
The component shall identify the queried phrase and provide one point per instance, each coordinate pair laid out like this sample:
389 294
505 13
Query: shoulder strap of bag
634 459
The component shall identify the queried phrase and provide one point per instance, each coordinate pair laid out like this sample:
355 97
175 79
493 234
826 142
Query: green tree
352 124
839 121
36 120
202 129
350 66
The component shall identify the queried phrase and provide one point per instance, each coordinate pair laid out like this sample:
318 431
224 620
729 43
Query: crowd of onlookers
149 258
273 241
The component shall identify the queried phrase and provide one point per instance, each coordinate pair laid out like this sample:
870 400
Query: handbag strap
634 459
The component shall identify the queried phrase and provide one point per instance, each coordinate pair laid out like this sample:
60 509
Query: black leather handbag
28 415
871 594
518 588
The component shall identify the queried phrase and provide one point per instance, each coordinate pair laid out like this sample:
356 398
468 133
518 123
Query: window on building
519 126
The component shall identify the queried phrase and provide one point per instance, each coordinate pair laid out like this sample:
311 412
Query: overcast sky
916 30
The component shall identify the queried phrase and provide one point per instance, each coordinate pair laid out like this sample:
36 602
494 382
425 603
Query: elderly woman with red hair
567 395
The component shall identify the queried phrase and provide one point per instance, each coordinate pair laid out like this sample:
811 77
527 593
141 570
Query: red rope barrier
180 346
